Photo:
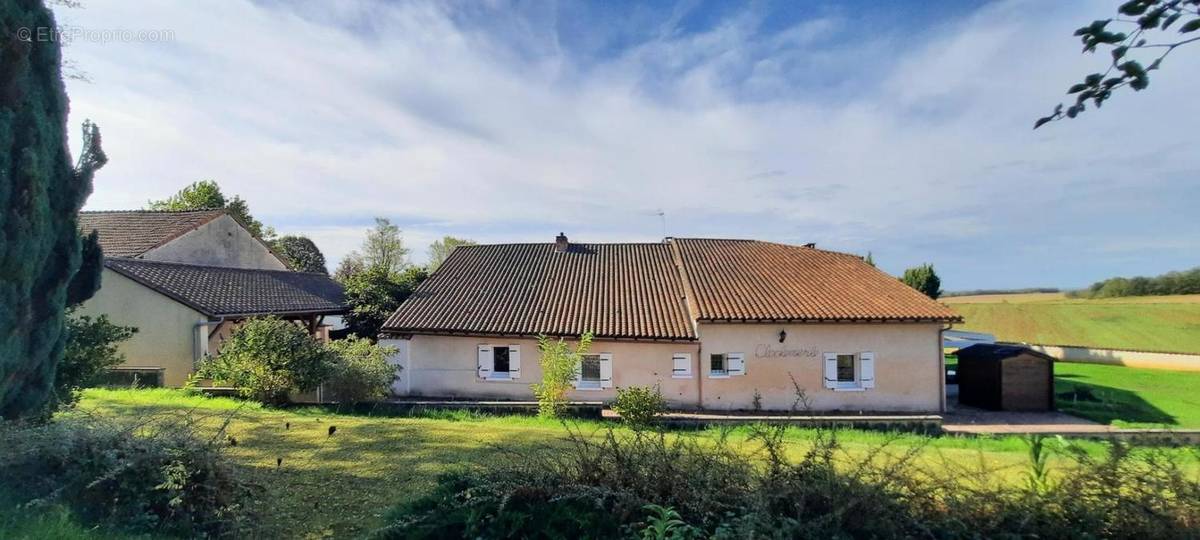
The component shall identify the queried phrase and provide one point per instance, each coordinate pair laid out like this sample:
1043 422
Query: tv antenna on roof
663 216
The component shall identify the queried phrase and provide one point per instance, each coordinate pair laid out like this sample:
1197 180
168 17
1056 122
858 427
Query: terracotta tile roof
130 233
216 291
748 280
613 290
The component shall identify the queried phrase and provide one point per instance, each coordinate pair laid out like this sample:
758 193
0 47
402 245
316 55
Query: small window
589 372
500 361
845 369
719 366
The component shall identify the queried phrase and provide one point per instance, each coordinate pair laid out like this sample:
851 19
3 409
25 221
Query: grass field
1160 323
342 485
1129 397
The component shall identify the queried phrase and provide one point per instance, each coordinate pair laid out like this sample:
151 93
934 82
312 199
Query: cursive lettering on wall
764 350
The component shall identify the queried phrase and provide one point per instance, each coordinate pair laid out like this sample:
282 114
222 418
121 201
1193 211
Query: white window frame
605 379
514 363
684 360
724 373
864 372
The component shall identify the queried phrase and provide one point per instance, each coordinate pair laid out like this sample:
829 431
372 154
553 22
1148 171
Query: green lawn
1149 323
1129 397
342 485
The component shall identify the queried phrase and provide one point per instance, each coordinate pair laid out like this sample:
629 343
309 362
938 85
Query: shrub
361 370
154 475
715 491
638 405
267 358
91 351
559 364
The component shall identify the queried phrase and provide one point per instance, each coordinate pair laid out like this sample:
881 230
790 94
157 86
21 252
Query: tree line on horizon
1170 283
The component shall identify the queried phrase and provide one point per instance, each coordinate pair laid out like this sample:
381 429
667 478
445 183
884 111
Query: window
845 369
727 365
499 362
850 371
718 366
681 367
594 371
589 371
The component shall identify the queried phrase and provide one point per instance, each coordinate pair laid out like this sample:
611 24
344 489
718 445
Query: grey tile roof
217 291
130 233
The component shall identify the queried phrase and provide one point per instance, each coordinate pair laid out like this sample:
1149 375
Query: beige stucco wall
166 328
220 242
908 366
445 366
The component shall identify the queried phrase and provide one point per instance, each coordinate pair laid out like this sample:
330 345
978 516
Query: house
715 324
185 280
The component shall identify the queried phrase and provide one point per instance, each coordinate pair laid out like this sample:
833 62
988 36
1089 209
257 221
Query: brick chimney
560 242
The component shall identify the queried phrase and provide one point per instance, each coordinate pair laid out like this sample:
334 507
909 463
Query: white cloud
901 143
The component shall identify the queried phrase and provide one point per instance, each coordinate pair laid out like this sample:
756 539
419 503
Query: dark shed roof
216 291
995 352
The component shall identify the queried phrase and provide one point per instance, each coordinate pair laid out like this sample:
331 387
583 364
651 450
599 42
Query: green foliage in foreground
141 475
91 351
1129 397
645 482
41 253
314 484
559 363
267 358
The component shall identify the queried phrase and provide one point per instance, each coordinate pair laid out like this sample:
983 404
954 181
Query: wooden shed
1005 378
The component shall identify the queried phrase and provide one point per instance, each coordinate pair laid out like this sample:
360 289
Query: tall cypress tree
41 251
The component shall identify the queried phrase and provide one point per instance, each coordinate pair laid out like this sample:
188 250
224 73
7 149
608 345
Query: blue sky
902 129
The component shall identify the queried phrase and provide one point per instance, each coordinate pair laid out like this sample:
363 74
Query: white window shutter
831 370
737 364
606 370
485 361
681 365
866 369
514 361
578 372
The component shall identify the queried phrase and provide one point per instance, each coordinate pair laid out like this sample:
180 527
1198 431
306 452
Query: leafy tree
1143 26
924 279
361 370
351 264
267 358
91 350
374 294
301 253
384 247
206 195
558 364
440 249
1186 282
40 197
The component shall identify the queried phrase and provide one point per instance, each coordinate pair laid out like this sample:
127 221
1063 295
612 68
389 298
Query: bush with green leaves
601 488
361 371
146 475
559 363
639 405
268 358
924 279
91 351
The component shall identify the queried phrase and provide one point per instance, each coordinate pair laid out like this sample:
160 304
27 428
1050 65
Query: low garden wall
1120 357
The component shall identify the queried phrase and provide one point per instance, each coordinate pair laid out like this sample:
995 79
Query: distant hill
1156 323
983 292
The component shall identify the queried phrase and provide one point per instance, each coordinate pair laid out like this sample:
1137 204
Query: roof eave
396 331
